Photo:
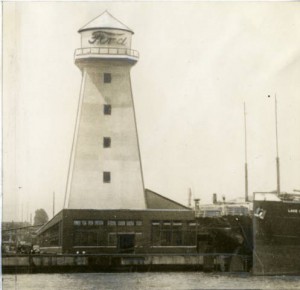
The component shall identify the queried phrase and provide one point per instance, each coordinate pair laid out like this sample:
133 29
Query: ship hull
276 238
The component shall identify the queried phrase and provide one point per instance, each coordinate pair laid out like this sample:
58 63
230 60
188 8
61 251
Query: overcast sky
199 62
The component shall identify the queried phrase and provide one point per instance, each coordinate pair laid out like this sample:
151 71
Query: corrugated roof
105 20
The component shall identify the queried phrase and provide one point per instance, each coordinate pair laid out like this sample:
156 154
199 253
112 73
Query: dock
124 263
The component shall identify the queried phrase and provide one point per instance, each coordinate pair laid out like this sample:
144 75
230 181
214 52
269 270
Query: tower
105 168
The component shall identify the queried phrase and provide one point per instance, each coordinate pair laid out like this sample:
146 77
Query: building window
111 223
98 223
155 235
190 238
177 224
90 223
139 223
106 142
155 223
78 238
92 238
167 224
107 78
106 177
121 223
76 223
177 238
129 223
85 238
107 109
112 239
166 238
84 223
171 233
191 224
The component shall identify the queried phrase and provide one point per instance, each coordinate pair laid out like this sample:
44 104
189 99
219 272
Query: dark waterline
172 280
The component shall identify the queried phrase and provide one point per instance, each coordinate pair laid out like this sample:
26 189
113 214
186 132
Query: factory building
164 227
107 209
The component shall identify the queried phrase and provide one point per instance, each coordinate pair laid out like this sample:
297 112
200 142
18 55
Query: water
173 280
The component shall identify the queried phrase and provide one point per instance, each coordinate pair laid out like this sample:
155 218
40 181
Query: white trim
123 233
75 137
172 247
79 247
106 56
59 247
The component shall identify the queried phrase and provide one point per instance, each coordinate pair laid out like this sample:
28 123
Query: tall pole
277 155
53 203
27 212
246 161
22 212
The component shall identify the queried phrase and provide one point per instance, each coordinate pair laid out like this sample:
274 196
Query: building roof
157 201
105 20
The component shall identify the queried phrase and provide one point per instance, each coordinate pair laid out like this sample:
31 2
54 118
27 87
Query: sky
199 62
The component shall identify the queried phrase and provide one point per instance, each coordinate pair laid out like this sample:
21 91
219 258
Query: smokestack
197 203
215 199
190 198
197 207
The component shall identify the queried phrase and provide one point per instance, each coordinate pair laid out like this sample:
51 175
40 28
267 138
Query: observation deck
108 53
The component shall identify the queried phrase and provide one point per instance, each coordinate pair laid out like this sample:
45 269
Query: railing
106 51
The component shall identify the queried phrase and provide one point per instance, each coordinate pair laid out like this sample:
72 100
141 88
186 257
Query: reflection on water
173 280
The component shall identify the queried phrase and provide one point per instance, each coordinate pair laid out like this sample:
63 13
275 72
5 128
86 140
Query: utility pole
277 155
53 203
246 161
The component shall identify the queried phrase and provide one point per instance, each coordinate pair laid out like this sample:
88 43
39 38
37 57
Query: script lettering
110 38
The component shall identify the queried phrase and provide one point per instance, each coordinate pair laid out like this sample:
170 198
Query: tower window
106 177
107 109
106 142
107 78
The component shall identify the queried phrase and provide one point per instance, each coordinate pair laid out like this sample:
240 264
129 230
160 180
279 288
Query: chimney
197 207
215 199
197 203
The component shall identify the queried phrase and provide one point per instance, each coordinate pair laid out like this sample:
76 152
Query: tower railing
81 52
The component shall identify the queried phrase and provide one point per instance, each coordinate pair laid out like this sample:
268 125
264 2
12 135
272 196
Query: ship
276 233
276 228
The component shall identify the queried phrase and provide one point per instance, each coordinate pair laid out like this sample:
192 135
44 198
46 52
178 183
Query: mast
246 161
277 155
53 204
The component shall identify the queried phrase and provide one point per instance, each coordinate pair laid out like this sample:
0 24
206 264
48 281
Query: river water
161 280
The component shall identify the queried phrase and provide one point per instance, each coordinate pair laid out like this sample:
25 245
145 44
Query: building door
126 243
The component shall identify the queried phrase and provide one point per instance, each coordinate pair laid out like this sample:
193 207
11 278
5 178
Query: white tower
105 168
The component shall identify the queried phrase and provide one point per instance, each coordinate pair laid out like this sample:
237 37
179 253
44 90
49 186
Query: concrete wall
86 188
